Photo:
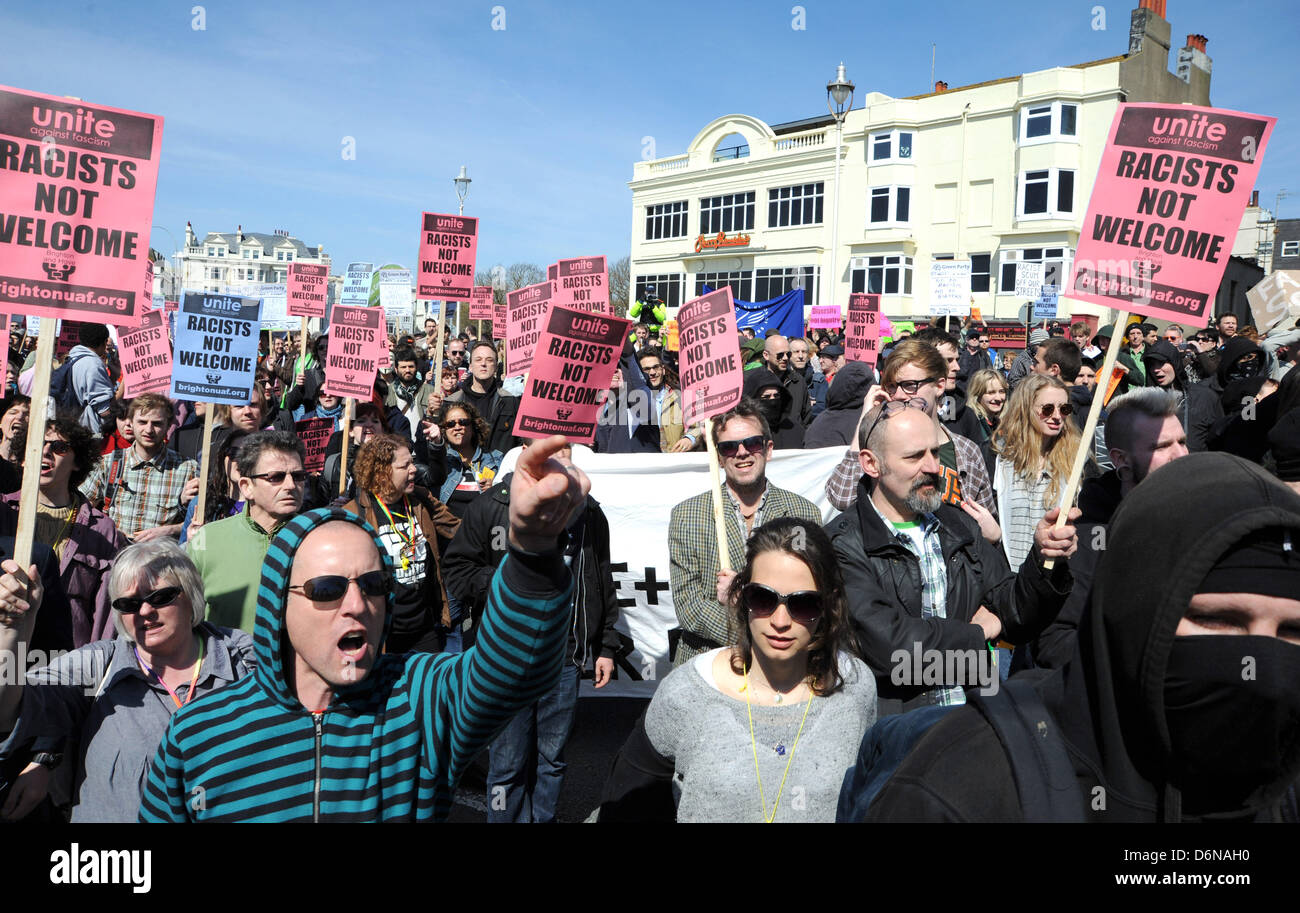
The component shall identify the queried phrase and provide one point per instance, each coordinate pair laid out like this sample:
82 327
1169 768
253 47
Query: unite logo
1198 126
450 223
83 122
580 264
591 326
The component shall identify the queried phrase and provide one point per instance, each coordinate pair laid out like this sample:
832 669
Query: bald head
776 353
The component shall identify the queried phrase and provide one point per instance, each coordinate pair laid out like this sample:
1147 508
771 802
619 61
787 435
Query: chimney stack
941 86
1197 41
1156 6
1254 198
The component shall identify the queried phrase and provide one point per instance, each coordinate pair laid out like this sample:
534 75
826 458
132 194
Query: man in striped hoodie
329 728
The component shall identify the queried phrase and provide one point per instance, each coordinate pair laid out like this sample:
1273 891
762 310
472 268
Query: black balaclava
771 409
1232 703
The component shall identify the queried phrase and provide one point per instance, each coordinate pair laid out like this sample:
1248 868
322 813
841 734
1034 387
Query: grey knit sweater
706 734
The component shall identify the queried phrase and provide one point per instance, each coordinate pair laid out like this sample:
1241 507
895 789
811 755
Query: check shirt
144 493
934 583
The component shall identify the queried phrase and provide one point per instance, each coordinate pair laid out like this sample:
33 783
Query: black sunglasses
332 587
457 423
58 447
275 478
1048 408
752 444
129 605
804 606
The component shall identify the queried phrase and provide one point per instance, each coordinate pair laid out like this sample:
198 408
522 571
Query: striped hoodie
389 748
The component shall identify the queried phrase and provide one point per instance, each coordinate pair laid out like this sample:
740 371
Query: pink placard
825 317
4 353
862 331
481 303
355 349
68 339
583 283
499 312
146 356
1173 183
448 246
525 315
575 360
77 203
713 375
307 288
315 436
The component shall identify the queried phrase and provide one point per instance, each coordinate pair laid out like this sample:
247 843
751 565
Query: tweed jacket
693 564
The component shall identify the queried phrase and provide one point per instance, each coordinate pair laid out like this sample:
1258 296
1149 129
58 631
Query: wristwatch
47 759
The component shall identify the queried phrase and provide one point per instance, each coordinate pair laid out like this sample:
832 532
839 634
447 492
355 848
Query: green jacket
229 555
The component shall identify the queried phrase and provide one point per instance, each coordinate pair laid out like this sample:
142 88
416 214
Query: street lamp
462 182
839 100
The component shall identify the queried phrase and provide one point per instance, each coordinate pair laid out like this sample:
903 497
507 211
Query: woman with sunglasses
730 735
415 528
1035 444
83 538
111 700
223 498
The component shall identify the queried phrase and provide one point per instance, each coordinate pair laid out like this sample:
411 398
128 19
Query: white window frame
1063 255
892 220
1055 119
987 273
894 147
664 216
1053 189
814 199
886 263
1290 249
741 209
212 251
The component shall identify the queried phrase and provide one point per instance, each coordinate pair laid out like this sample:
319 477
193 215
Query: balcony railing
801 141
677 163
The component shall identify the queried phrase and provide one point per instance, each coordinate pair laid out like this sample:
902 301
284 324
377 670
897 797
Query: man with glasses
665 403
229 552
920 578
917 371
699 584
776 357
484 393
330 728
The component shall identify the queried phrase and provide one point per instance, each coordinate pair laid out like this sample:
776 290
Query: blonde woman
986 394
1035 443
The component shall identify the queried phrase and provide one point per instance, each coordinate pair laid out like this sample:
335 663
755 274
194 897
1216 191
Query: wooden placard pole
208 409
437 358
347 439
719 519
1086 443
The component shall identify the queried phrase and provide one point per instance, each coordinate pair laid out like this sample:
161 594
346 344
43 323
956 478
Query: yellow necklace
753 743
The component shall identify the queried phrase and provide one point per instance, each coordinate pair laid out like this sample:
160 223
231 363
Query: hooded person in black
781 413
1198 407
1157 726
1242 430
838 425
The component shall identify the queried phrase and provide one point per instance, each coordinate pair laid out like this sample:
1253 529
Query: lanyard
193 680
762 796
408 538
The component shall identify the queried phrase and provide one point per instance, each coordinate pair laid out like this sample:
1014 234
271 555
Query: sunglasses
457 423
893 407
332 587
1048 408
129 605
752 444
911 386
804 606
275 478
58 448
780 355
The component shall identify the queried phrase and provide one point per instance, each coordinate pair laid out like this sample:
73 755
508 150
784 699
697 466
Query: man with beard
699 585
776 357
920 577
1143 433
1158 715
408 392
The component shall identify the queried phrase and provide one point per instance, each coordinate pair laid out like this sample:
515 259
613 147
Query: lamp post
462 182
839 100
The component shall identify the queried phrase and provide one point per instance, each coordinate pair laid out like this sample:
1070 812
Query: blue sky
548 113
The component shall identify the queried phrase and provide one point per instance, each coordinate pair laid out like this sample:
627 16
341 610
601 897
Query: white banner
356 285
1029 280
950 287
638 492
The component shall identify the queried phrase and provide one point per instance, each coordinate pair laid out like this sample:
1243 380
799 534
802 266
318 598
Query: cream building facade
998 173
222 259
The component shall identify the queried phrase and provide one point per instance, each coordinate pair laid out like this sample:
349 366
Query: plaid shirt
972 471
144 493
934 583
693 562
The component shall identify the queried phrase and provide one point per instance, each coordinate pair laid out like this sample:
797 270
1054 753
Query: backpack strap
1043 774
114 474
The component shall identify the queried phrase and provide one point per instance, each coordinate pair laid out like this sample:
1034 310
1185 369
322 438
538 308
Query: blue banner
784 313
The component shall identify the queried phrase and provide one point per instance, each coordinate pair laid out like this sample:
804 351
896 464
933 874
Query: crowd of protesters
954 645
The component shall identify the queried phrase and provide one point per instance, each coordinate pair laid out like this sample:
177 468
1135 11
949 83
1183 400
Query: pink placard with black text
712 373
